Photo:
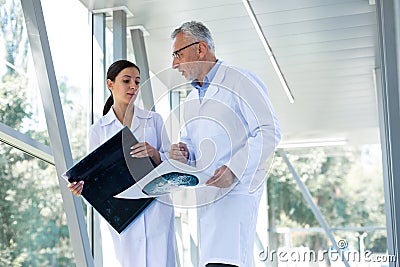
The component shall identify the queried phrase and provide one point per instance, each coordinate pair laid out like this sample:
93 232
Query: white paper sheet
169 177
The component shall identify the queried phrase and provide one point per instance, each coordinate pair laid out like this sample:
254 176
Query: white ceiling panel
327 50
268 16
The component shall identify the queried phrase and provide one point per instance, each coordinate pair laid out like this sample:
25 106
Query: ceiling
326 49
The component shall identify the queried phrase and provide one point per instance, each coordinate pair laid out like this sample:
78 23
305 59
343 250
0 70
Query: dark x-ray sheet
105 173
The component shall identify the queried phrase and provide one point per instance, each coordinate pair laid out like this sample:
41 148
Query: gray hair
196 31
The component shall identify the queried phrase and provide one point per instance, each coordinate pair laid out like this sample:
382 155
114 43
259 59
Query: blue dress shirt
207 80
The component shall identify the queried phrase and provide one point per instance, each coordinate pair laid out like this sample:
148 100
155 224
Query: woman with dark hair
149 240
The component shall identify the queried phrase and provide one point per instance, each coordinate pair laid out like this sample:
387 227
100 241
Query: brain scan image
170 182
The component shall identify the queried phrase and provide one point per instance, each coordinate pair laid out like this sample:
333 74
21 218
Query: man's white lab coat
234 125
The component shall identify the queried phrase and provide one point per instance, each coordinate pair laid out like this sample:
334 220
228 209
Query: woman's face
125 87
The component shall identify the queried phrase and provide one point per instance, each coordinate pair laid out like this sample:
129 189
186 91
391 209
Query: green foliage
12 31
33 217
13 106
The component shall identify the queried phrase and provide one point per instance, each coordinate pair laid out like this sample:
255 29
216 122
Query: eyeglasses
176 54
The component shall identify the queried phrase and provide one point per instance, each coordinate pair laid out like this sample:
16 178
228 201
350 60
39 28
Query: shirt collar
209 77
110 117
141 113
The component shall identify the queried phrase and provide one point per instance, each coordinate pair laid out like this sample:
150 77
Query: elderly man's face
186 60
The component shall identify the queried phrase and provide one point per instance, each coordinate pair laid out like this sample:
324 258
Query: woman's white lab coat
149 240
234 125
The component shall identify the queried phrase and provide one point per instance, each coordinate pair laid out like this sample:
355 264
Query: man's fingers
179 147
183 154
222 178
217 175
175 147
212 180
179 151
182 146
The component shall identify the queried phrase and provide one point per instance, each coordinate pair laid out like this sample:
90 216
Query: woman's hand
143 149
76 188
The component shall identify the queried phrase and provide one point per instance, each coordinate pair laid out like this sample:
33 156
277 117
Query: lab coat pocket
213 151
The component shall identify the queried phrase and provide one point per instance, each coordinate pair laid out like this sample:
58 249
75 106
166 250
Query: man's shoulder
236 73
233 68
241 80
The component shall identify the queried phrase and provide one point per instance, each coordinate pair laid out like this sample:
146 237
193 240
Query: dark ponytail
108 104
113 72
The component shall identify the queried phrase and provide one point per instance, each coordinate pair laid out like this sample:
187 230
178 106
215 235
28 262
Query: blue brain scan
170 182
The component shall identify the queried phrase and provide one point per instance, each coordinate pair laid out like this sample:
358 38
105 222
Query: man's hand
223 178
179 152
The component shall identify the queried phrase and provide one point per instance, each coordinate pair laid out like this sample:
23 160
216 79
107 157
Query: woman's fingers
141 150
76 188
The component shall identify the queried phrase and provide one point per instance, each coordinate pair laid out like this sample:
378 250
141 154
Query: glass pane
34 230
20 102
346 184
69 36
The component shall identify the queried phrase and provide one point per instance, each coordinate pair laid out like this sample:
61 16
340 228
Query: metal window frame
99 93
387 86
26 144
56 127
139 50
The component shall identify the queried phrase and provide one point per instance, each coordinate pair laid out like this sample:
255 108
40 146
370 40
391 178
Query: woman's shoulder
105 119
97 122
96 126
101 122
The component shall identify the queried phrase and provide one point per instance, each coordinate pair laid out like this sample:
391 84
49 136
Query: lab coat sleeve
163 141
262 127
94 139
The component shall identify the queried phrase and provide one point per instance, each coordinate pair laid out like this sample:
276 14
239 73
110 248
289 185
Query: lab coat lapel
215 83
211 91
